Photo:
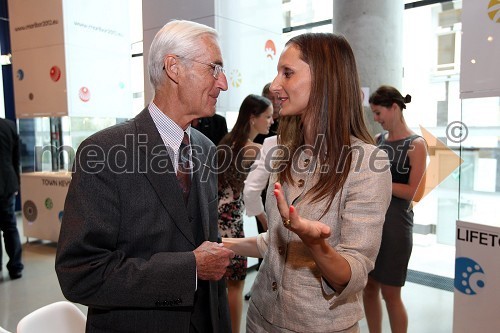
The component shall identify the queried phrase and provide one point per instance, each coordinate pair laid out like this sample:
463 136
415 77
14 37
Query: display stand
43 199
477 276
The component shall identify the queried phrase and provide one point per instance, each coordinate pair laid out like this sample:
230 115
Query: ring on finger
287 223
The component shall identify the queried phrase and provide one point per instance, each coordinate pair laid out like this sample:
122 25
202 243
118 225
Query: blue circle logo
469 276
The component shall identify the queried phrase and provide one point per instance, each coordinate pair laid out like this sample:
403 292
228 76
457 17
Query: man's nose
222 81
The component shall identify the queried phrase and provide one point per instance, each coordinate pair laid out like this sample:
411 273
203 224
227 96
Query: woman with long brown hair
330 194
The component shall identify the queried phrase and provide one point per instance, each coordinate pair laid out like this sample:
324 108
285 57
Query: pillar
375 31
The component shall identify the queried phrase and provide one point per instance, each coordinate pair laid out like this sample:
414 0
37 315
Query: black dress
391 265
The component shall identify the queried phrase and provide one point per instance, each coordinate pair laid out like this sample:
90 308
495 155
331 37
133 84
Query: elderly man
138 242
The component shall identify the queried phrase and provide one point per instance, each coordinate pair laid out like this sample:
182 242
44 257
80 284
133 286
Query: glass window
300 12
480 172
431 75
469 128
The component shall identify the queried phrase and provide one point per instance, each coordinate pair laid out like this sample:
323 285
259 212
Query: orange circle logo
494 10
270 49
235 78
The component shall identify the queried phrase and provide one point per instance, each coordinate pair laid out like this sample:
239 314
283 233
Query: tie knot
184 152
185 139
183 167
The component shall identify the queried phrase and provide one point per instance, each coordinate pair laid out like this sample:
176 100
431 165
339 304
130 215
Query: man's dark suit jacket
9 158
214 127
125 248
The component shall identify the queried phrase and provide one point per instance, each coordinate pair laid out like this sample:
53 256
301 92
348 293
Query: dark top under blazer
125 247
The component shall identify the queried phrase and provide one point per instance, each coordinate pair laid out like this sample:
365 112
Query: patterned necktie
183 167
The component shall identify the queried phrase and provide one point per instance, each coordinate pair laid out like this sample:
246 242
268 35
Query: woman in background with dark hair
407 152
330 194
236 153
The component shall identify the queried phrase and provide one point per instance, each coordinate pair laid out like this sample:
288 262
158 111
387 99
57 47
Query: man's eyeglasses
216 67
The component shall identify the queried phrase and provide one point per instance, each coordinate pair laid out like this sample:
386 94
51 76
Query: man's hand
212 260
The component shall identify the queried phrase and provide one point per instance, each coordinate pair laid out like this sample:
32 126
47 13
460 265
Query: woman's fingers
293 215
280 200
310 230
325 231
307 230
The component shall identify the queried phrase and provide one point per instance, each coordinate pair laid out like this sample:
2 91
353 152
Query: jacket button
275 286
281 250
301 182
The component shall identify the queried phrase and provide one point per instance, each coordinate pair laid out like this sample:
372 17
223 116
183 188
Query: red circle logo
84 94
270 49
55 73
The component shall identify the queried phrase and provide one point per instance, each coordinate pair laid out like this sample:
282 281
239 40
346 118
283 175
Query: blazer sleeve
101 263
257 179
367 197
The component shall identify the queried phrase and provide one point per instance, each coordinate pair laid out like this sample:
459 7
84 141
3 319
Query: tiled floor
429 309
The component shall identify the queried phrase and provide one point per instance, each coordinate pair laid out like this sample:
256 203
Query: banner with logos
70 58
477 278
251 45
480 51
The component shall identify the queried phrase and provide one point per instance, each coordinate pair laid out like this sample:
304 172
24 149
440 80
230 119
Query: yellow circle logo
235 78
494 10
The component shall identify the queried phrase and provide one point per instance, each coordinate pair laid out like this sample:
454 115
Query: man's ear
171 67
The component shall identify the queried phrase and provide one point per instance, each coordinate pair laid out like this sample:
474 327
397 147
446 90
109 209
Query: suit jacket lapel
155 160
200 176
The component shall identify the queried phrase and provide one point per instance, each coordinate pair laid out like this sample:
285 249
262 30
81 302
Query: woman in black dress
407 152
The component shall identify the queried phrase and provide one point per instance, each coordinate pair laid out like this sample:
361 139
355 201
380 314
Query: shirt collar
171 133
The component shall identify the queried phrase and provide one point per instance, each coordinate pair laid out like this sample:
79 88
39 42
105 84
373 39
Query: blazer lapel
155 162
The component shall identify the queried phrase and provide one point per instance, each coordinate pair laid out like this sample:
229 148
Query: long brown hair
229 151
334 112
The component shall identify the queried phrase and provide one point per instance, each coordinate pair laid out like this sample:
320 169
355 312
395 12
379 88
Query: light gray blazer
289 291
